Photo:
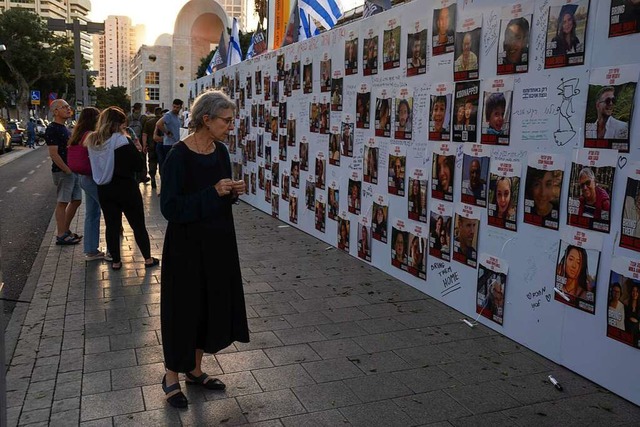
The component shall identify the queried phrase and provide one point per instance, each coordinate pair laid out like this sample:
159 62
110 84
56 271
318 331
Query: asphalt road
27 201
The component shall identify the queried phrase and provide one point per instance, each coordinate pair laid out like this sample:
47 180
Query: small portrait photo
282 115
295 174
353 197
320 172
466 111
513 45
417 201
285 187
288 83
490 293
307 82
465 244
334 149
293 209
295 75
363 110
282 147
608 118
346 139
576 276
310 194
261 116
624 17
275 93
496 120
383 117
280 66
336 94
379 222
249 88
417 53
440 118
404 118
253 182
242 98
258 81
275 174
291 132
503 201
466 65
274 128
542 189
261 177
351 57
232 144
566 31
623 308
475 174
267 190
314 117
275 204
417 256
440 236
304 156
444 21
391 48
267 88
630 230
364 242
590 190
254 115
396 175
325 75
320 216
334 202
325 111
399 243
370 56
442 174
370 166
343 234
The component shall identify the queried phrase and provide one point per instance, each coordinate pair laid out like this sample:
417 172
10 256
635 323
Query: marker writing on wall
555 383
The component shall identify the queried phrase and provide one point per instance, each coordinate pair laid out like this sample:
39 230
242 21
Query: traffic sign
35 97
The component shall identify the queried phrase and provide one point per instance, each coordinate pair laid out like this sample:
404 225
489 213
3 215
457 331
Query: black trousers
122 196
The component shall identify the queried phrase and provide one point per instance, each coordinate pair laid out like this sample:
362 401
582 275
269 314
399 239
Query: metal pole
77 61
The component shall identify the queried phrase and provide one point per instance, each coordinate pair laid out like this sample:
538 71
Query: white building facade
151 77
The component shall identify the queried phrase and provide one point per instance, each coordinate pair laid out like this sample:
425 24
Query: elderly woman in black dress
202 301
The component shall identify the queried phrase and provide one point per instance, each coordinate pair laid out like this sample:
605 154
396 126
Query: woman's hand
224 187
239 188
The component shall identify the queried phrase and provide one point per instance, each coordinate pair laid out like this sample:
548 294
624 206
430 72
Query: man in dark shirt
69 194
149 145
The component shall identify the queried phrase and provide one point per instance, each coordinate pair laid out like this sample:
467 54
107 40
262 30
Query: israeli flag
308 27
235 54
326 12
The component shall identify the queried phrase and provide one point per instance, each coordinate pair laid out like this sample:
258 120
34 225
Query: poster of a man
542 190
624 17
363 110
370 55
353 196
325 75
492 282
475 174
383 116
391 46
610 107
513 45
364 240
404 117
351 57
370 166
379 219
465 244
467 50
400 241
444 20
396 176
442 173
417 53
440 117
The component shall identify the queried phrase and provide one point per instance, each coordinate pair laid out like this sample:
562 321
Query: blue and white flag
326 12
258 44
235 54
308 27
373 7
219 60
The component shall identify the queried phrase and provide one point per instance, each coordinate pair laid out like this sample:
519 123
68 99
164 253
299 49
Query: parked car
18 133
5 139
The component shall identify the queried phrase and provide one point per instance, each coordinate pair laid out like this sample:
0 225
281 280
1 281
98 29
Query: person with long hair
502 198
202 308
574 270
565 39
435 233
78 154
632 310
415 198
114 163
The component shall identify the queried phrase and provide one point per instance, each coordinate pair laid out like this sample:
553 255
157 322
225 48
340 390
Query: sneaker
108 257
94 256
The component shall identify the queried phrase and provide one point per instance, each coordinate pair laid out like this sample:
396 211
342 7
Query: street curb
15 154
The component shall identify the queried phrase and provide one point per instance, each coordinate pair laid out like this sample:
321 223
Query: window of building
152 78
152 94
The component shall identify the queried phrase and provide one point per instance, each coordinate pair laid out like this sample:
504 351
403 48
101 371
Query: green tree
35 58
115 96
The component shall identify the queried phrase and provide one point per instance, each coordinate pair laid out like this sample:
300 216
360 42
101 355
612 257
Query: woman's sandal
211 384
116 265
153 263
178 400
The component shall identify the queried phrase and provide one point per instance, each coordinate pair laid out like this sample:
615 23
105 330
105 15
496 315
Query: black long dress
202 300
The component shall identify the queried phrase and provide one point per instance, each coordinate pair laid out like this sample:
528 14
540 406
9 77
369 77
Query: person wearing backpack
136 122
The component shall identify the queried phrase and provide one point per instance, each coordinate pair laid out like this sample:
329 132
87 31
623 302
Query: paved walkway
334 342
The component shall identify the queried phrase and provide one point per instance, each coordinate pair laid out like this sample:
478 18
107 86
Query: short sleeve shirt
172 123
57 135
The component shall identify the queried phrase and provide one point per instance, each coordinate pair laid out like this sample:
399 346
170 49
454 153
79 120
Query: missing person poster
467 48
364 238
417 200
295 172
467 95
504 190
325 73
363 107
334 146
354 193
623 302
351 54
542 189
624 17
417 49
333 196
310 193
496 115
444 24
403 124
475 174
399 244
577 269
379 218
344 228
304 154
442 171
307 76
336 91
321 170
492 283
346 137
590 189
610 107
513 44
566 33
440 231
466 231
383 113
417 252
397 170
370 164
320 211
391 44
293 207
370 52
440 112
275 202
630 230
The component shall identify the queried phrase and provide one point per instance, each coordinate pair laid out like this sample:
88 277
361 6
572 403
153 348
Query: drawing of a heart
622 162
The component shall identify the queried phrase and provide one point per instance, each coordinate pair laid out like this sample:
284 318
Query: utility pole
76 27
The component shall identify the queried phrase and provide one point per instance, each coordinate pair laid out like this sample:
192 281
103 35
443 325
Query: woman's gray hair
210 103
